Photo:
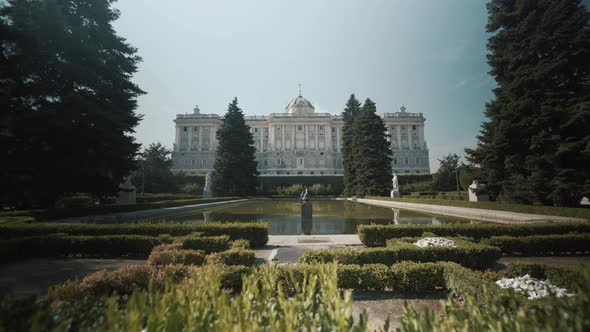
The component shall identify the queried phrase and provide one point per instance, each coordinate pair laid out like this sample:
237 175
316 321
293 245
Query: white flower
435 242
532 287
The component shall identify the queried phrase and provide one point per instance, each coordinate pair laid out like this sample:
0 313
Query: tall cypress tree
235 163
535 147
353 108
68 102
372 155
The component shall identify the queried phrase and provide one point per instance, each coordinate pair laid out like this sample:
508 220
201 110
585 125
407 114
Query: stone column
212 139
337 139
177 138
200 143
317 139
190 138
305 137
283 137
327 138
398 129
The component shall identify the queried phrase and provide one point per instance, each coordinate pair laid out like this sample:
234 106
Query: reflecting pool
288 217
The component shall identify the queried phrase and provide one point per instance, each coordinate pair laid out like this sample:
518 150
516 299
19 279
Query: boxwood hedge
541 245
468 254
256 233
377 235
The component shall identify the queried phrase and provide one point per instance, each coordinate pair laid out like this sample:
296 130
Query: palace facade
298 141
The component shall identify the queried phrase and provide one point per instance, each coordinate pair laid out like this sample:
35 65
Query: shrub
467 254
233 257
203 305
567 277
541 245
85 245
256 233
208 244
76 201
147 198
241 244
376 235
176 256
417 277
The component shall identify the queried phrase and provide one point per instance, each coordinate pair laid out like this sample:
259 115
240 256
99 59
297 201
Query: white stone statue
476 193
207 188
127 192
395 187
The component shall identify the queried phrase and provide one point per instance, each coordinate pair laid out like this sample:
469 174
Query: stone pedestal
477 197
127 193
395 193
306 218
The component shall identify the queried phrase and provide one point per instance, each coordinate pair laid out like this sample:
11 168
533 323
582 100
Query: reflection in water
307 218
288 217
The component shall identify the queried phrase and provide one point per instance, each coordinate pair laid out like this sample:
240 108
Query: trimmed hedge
468 254
147 198
125 280
406 277
94 246
168 254
256 232
234 256
52 214
541 245
377 235
208 244
567 277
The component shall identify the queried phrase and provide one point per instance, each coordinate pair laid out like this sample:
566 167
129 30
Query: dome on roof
299 105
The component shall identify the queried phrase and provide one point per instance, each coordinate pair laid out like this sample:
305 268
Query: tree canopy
153 174
68 102
353 108
368 156
535 144
445 179
235 168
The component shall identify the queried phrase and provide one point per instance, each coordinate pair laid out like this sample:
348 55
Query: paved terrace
505 217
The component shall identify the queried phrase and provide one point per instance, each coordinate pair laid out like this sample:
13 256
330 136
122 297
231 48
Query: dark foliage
235 164
67 99
535 146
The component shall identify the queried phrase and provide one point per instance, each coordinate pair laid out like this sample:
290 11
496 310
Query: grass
583 213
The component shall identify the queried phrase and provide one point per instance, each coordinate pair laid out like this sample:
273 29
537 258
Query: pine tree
154 174
235 164
372 155
67 100
535 147
353 108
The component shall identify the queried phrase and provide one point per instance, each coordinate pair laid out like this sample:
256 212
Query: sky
428 55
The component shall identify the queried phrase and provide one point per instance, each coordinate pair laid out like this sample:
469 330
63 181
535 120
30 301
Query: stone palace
298 141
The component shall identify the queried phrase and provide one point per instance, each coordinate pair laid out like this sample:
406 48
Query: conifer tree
235 163
67 100
353 108
372 155
535 145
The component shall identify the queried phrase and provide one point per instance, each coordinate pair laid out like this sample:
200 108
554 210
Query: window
265 162
312 172
278 161
255 130
193 163
204 163
417 161
184 128
407 161
321 127
300 161
395 161
413 127
321 153
333 130
299 128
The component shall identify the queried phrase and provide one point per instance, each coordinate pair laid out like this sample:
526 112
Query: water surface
285 217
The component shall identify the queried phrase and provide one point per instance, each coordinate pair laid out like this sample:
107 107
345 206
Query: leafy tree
371 153
67 100
235 164
353 108
535 145
445 179
154 174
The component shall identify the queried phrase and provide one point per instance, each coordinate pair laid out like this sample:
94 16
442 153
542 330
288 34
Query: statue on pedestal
207 193
304 197
395 187
127 192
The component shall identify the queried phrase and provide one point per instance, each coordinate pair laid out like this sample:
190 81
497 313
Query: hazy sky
428 55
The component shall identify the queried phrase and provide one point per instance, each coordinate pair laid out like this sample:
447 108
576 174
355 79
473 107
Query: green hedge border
541 245
472 255
377 235
256 233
